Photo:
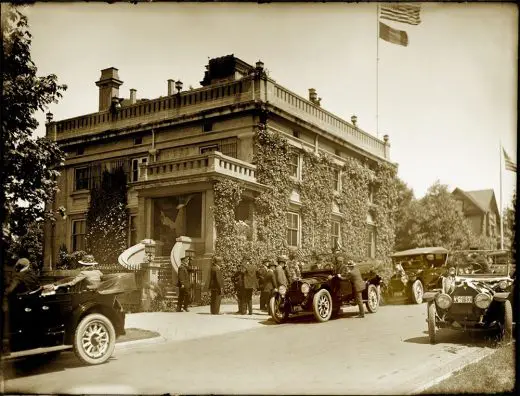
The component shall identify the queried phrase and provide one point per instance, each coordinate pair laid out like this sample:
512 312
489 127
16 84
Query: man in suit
261 275
352 273
250 283
184 285
216 283
238 282
280 277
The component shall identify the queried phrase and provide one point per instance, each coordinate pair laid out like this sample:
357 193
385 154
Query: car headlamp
502 284
305 288
482 300
282 290
443 301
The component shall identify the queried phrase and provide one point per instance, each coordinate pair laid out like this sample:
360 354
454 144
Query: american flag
402 12
392 35
510 165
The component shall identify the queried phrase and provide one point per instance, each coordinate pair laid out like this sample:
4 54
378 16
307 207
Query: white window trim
298 176
140 160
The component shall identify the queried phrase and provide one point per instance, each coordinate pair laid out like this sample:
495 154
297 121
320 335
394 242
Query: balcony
210 164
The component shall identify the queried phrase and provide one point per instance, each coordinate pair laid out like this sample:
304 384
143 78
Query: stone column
209 231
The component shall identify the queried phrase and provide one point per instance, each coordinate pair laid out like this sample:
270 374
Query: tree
107 218
403 224
29 166
435 220
510 226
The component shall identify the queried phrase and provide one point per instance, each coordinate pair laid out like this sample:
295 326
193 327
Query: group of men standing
270 276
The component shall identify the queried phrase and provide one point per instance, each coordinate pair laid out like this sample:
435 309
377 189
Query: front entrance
176 216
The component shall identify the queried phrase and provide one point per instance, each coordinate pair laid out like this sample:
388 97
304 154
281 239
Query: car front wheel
322 305
417 292
372 299
94 339
432 329
278 315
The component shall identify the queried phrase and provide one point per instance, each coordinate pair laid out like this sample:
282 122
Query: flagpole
377 71
501 210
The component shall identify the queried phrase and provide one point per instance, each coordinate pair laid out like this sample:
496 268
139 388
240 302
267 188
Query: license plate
297 308
463 299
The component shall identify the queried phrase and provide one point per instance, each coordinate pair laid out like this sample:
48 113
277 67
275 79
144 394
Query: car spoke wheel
432 325
507 325
94 339
322 305
278 315
372 299
417 292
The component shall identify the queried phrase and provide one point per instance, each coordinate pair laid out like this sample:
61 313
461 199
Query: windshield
480 262
422 260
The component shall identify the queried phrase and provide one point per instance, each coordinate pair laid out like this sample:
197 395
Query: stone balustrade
213 162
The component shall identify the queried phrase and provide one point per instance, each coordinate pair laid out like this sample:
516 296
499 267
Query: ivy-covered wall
317 193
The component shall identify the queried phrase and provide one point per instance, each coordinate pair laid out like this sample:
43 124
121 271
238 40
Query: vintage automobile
68 315
323 293
476 294
416 271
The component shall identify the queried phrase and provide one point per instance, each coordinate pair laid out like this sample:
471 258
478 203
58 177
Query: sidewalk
198 323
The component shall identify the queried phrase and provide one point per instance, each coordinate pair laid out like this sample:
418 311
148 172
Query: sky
447 101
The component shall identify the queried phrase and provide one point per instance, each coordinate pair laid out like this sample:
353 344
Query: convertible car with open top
68 315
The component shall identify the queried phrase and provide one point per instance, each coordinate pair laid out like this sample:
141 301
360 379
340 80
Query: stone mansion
175 147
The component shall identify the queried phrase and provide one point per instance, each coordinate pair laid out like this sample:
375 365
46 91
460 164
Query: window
460 205
371 192
207 127
294 165
138 140
78 235
334 234
296 134
132 230
335 182
371 242
209 149
293 228
80 150
136 171
81 178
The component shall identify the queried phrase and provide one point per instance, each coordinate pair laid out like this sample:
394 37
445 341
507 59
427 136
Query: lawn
493 374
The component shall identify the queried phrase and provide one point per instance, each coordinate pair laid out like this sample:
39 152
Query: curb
136 343
442 372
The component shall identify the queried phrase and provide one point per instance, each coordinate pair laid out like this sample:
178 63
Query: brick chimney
108 84
133 96
171 87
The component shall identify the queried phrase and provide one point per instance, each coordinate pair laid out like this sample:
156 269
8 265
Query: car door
54 310
24 322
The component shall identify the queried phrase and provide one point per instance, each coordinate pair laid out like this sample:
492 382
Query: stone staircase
165 280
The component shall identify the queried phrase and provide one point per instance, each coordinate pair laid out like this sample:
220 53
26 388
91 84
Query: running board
35 351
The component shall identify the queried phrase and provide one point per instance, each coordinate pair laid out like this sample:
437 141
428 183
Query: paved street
387 352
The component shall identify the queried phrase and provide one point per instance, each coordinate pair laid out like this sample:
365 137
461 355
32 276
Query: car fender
501 297
430 295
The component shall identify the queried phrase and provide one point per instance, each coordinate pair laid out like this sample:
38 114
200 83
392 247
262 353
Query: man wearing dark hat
352 273
24 279
183 282
238 282
280 278
215 285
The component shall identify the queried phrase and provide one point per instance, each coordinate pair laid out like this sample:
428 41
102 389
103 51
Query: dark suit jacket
250 281
279 277
268 282
183 277
357 281
215 278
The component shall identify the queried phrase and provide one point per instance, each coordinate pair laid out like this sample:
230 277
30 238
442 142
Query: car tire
372 299
417 292
432 326
274 308
322 305
94 339
507 326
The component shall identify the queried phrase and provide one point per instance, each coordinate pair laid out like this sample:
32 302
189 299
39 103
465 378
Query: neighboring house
175 147
480 208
